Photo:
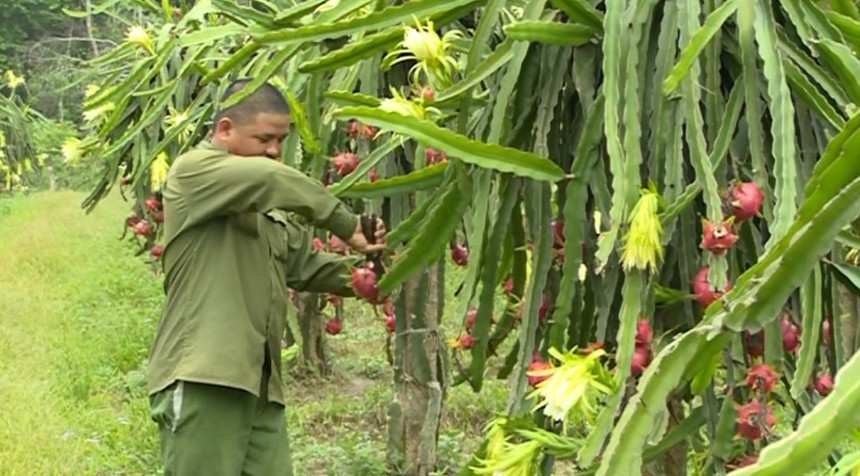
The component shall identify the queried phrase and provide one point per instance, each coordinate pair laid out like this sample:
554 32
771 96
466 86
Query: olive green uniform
214 372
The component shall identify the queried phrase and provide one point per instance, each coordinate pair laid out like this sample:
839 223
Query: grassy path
78 314
78 311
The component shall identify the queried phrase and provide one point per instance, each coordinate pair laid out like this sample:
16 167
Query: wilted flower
642 247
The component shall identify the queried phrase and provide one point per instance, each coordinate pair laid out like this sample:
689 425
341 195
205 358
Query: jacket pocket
166 406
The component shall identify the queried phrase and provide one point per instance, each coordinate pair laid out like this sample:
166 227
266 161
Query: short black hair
265 99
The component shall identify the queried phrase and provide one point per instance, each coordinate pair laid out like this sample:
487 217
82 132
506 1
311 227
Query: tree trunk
673 462
89 24
312 359
419 378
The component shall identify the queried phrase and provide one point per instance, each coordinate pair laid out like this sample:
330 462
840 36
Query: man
230 251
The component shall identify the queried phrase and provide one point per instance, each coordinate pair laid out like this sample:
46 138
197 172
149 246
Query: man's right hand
359 242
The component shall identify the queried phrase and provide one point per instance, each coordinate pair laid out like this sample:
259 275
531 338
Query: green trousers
208 430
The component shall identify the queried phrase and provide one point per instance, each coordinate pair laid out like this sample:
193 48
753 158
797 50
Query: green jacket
230 252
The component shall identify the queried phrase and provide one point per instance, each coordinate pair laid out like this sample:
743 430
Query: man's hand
359 242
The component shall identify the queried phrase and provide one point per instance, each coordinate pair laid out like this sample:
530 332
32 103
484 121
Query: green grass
79 313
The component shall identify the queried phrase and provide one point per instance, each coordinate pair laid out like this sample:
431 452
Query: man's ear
223 128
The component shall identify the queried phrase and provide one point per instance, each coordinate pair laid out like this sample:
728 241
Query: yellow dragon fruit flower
643 247
424 44
71 150
99 112
517 459
91 90
430 51
12 80
574 384
178 117
137 35
403 107
158 171
504 457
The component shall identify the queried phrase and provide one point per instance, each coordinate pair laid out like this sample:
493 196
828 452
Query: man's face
261 137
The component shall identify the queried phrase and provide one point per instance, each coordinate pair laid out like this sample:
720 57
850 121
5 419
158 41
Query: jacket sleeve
218 184
309 269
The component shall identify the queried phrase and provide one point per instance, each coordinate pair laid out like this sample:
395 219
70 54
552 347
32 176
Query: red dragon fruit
333 326
746 200
142 228
824 385
717 237
537 364
790 339
460 254
466 341
705 295
557 234
761 377
364 283
643 332
748 422
152 204
641 359
345 163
